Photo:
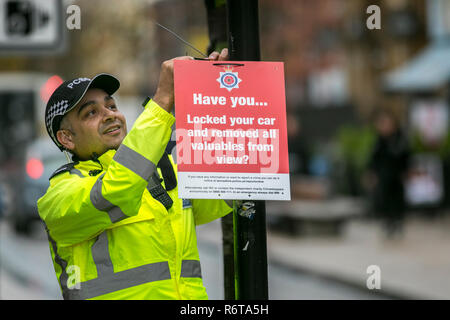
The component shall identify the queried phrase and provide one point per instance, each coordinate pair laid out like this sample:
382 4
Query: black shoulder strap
64 168
158 192
170 180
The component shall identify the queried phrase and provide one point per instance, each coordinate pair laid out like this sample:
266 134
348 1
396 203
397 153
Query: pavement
415 265
26 263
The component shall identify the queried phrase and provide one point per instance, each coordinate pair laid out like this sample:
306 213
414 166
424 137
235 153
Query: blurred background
369 141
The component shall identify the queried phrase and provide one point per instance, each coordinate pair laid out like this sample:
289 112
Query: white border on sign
235 186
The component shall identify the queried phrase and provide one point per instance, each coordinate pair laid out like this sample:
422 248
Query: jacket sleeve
206 211
77 208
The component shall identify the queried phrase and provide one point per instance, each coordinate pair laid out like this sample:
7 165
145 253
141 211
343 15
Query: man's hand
164 95
223 56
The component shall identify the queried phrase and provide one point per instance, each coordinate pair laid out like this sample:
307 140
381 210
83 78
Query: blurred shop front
424 81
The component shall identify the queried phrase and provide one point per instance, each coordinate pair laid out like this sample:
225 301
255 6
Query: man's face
94 125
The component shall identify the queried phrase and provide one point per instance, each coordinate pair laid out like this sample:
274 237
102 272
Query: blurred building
332 59
336 69
306 36
119 38
423 81
371 53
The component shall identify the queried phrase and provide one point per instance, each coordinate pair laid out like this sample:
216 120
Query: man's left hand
222 56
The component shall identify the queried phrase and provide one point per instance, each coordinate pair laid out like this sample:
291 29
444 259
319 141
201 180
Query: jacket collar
105 159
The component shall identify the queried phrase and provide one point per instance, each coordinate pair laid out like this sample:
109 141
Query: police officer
116 227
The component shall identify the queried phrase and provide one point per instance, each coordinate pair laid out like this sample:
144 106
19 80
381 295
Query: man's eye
112 107
90 113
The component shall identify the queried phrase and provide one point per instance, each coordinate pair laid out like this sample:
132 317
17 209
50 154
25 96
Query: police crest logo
229 79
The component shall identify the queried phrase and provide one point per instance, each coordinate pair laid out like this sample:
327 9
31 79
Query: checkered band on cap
57 109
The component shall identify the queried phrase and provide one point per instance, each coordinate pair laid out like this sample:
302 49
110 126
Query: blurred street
413 267
26 269
287 280
26 272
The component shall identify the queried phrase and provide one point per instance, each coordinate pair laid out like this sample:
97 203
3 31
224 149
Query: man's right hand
164 95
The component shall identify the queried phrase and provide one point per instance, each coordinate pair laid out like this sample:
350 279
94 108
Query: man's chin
114 143
112 147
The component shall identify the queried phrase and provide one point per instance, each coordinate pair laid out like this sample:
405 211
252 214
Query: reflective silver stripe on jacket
63 278
102 204
77 172
100 254
135 162
109 281
191 269
121 280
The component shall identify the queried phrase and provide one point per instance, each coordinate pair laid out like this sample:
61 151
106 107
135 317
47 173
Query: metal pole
250 242
217 32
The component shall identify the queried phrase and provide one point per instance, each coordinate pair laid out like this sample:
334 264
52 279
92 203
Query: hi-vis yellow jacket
109 238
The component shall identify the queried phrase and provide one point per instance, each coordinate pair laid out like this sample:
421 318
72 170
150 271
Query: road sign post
250 242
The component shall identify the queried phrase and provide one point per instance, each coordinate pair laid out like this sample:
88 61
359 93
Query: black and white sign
31 25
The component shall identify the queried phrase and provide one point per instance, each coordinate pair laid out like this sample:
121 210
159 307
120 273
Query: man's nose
108 114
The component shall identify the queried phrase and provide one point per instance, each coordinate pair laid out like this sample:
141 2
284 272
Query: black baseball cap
67 96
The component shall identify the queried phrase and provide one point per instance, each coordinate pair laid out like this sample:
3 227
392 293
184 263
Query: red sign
231 123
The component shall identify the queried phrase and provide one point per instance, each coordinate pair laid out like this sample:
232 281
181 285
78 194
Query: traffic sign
31 26
231 130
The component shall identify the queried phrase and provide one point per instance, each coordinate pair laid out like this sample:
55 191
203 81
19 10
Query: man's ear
65 137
